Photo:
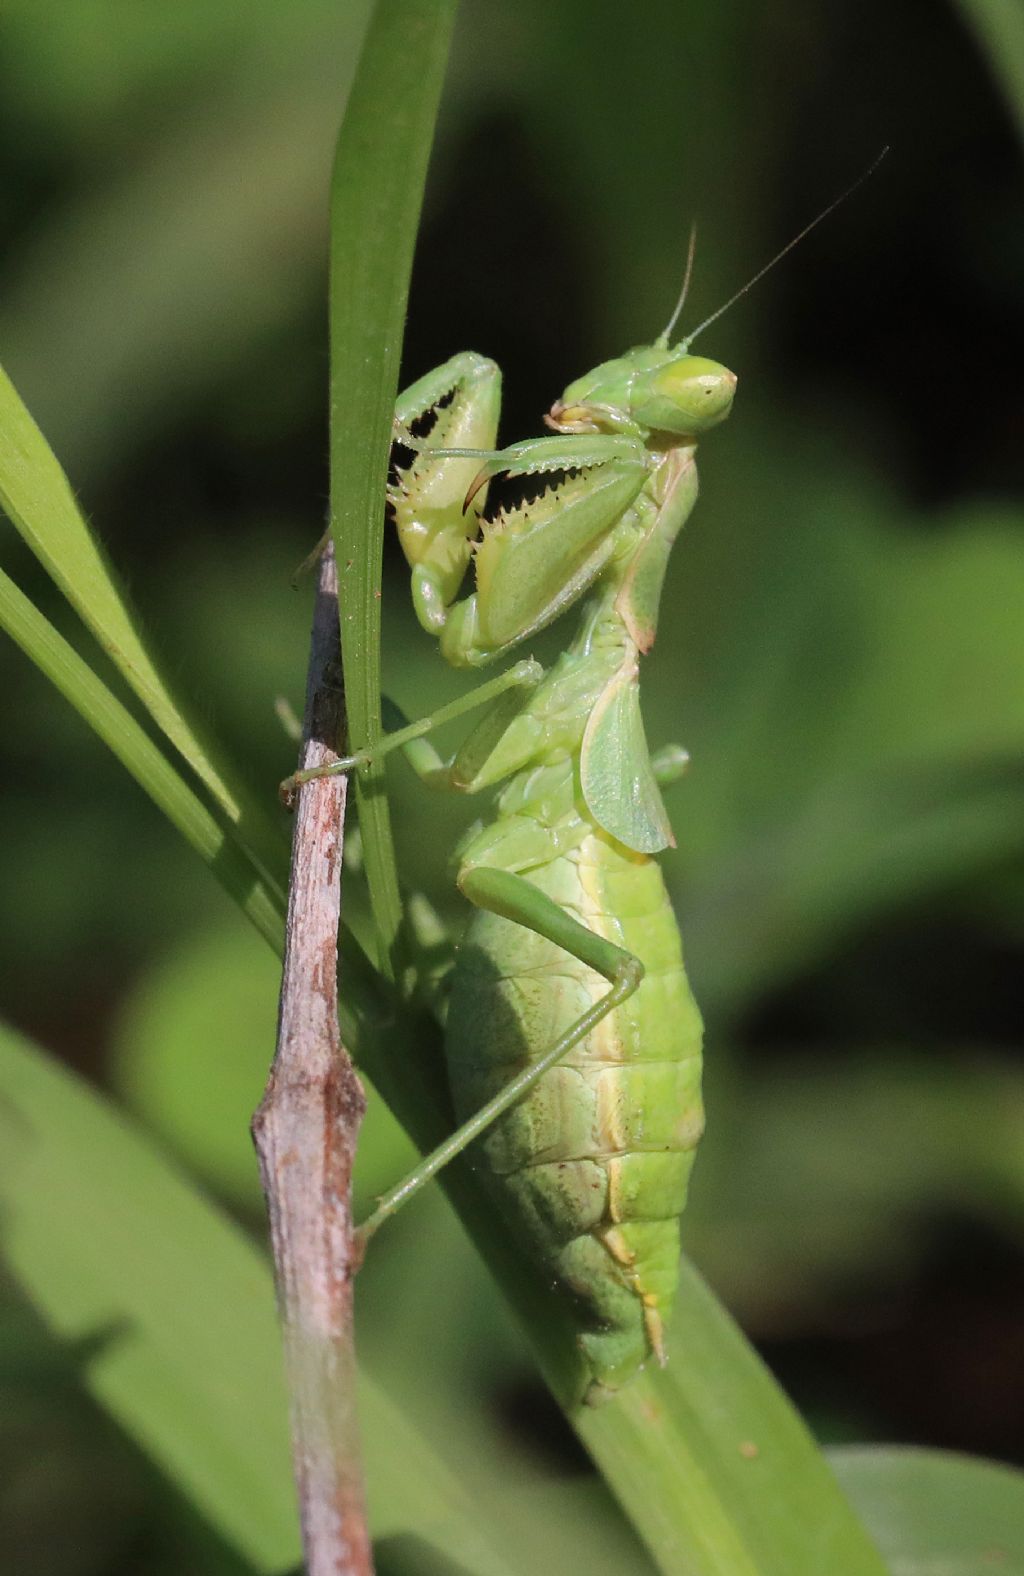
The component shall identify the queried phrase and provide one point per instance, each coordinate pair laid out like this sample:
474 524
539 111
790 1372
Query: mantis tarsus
572 1039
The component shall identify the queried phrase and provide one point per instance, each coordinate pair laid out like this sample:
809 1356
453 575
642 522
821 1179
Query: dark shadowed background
841 648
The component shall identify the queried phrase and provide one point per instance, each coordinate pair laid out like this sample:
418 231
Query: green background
840 651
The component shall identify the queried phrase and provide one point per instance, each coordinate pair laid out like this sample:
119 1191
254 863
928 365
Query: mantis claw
479 481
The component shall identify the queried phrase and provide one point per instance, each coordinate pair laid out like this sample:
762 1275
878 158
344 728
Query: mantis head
686 395
655 389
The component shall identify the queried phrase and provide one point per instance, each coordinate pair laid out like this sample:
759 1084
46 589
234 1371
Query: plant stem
305 1134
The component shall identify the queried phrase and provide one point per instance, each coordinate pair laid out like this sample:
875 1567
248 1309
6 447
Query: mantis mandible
572 1039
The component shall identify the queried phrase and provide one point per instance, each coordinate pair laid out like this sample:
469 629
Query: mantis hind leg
514 898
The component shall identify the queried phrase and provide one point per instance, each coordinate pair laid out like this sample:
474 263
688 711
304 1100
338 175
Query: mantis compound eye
688 394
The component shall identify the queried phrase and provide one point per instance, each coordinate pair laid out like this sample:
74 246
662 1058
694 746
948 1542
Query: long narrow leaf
214 839
715 1462
37 497
174 1310
212 836
376 195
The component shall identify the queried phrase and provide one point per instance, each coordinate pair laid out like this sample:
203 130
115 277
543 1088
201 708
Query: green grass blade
714 1465
999 25
172 1311
214 839
376 195
935 1513
170 1304
209 833
37 497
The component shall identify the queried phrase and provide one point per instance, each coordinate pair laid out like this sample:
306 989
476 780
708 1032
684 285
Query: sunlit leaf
118 1251
376 195
714 1465
38 499
172 1310
209 834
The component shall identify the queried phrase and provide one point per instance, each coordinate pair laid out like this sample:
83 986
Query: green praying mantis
572 1038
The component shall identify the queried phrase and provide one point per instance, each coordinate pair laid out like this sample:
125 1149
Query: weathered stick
305 1134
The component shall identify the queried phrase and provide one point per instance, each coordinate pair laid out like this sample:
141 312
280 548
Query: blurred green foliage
841 652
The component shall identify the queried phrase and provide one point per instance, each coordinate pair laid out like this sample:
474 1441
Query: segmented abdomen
593 1163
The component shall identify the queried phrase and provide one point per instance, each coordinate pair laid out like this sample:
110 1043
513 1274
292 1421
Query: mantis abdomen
593 1163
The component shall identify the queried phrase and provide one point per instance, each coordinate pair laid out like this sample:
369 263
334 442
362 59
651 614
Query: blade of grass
376 195
711 1455
38 499
171 1310
207 831
214 839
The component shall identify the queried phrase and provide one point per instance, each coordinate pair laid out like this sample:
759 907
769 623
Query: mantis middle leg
525 675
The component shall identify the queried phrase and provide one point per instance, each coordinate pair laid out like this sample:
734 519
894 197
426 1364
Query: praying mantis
573 955
572 1039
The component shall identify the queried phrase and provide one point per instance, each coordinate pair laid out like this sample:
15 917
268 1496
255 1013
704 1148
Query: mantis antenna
832 206
662 340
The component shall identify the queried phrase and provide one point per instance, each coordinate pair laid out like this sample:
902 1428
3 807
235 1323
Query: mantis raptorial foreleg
533 561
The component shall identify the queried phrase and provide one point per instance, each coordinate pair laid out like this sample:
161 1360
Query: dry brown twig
305 1134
